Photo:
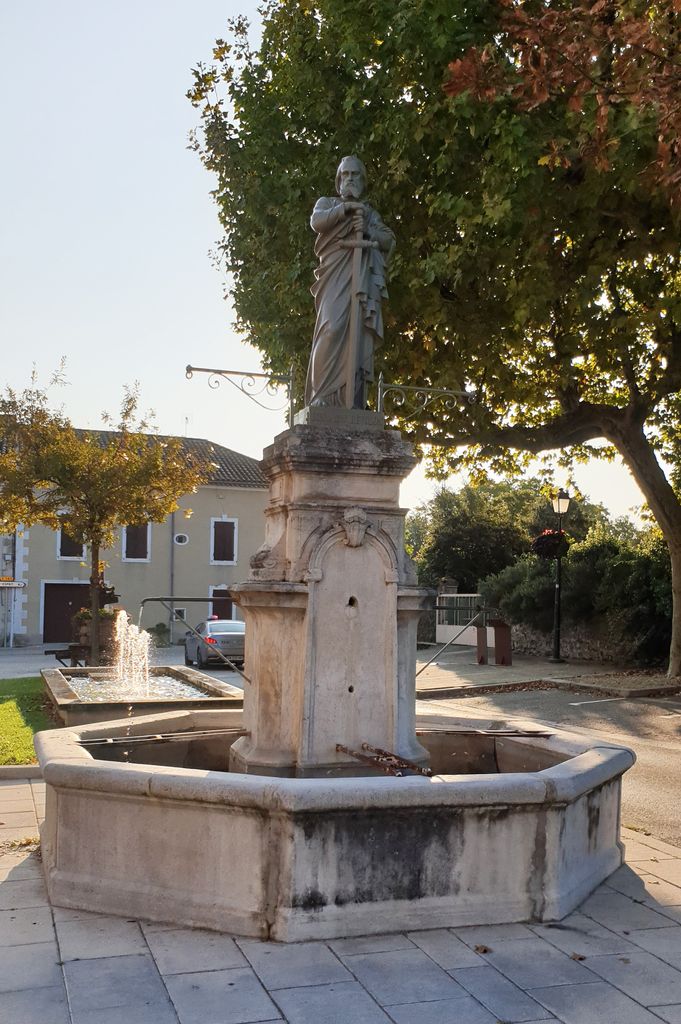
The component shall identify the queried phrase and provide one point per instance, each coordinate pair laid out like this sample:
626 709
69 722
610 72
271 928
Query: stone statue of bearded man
353 246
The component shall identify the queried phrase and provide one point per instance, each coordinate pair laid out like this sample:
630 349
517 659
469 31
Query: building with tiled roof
231 468
200 550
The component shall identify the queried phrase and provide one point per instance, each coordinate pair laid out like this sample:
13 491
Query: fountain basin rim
296 859
76 712
68 765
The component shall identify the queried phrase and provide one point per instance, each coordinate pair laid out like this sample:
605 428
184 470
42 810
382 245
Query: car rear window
226 626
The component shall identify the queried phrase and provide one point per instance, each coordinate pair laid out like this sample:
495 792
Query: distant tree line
616 578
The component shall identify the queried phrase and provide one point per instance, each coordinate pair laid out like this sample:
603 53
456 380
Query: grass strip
21 715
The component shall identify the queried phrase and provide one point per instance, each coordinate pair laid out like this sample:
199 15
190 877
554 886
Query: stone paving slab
114 982
303 963
670 1014
615 961
592 1004
186 950
221 997
463 1010
446 949
103 937
330 1004
35 1006
499 995
402 976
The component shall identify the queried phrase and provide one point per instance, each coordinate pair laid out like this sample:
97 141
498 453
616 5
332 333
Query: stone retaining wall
580 642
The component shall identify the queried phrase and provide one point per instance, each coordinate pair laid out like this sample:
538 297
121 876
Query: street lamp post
560 503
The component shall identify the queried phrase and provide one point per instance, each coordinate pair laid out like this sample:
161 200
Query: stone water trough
276 820
73 710
508 828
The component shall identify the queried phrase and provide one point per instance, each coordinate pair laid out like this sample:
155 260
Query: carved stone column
331 606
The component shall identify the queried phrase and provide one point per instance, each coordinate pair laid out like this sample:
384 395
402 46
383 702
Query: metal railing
475 621
168 603
457 609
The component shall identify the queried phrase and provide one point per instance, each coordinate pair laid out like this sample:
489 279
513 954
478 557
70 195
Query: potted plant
82 622
550 544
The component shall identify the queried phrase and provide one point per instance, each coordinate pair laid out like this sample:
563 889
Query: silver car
224 635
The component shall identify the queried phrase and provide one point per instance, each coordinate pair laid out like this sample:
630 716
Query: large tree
537 258
87 482
474 531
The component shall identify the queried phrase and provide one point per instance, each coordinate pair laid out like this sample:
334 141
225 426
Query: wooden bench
75 653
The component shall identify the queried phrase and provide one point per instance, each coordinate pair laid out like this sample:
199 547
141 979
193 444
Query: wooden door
62 601
222 604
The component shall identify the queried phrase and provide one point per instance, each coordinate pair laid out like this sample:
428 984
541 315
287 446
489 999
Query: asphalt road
651 790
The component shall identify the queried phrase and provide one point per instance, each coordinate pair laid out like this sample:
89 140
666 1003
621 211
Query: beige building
201 553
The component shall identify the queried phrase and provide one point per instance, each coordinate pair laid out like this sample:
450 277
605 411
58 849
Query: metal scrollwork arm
414 400
253 385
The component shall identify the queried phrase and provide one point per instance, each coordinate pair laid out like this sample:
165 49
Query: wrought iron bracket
252 385
421 397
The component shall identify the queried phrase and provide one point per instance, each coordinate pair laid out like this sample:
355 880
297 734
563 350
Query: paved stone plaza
617 961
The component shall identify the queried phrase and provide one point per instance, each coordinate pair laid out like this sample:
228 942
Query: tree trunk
94 604
675 645
639 455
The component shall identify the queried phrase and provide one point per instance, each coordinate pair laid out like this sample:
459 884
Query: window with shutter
223 541
69 548
136 543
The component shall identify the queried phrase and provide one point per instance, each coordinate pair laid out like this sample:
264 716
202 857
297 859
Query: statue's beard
351 192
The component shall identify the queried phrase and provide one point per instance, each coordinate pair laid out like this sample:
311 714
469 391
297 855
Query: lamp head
561 502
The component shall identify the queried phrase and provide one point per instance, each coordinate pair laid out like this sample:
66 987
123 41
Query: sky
108 225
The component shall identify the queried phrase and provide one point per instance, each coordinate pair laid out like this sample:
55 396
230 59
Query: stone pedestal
332 604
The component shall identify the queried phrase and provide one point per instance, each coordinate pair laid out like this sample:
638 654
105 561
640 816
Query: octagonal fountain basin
83 695
143 819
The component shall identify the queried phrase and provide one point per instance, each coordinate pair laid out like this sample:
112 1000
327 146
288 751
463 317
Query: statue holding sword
353 246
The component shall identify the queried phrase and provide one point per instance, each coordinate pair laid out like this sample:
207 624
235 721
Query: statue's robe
328 369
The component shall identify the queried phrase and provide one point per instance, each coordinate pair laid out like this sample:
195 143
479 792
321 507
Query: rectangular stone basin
173 837
72 710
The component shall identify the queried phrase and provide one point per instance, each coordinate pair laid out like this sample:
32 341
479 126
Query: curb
20 771
569 685
635 835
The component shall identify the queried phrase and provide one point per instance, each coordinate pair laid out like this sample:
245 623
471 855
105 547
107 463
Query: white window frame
68 558
138 560
211 590
224 519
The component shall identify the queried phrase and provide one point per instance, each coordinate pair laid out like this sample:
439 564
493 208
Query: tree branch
583 423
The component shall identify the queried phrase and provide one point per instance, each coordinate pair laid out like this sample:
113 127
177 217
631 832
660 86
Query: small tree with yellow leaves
88 483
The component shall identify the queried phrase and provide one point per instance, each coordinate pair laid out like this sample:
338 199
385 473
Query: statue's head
351 178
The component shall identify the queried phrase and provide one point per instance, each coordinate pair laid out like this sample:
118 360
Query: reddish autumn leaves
615 65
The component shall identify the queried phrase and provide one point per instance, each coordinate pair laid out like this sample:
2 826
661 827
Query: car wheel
199 657
187 659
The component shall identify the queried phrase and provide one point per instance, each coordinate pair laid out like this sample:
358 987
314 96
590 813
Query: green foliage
21 715
608 582
547 289
416 531
85 614
548 284
88 483
523 592
160 634
478 530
